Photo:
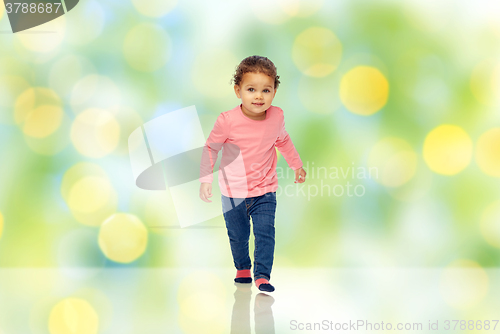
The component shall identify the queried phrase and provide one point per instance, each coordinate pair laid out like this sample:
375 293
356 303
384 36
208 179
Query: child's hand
206 191
300 175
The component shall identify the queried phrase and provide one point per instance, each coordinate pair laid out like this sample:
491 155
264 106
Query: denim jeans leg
263 212
238 230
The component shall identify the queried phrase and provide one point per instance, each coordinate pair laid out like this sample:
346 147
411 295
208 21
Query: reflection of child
255 127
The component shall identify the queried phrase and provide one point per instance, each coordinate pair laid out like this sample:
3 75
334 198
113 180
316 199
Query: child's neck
255 118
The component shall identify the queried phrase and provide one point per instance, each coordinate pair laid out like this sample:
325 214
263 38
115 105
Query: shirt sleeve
213 145
287 149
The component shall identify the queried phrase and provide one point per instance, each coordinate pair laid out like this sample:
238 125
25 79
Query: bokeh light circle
38 112
80 189
45 43
317 51
81 30
43 121
34 98
488 152
447 149
53 143
463 284
490 224
66 72
147 47
417 187
395 160
76 173
75 316
89 194
485 82
211 72
364 90
154 8
10 88
301 8
95 133
87 207
95 91
123 237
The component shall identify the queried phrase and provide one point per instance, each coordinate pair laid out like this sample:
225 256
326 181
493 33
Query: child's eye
250 89
266 90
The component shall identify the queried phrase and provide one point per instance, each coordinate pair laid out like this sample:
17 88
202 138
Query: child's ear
237 91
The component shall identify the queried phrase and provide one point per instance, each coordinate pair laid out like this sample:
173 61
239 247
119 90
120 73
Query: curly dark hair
256 64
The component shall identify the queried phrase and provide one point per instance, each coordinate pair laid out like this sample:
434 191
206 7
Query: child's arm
213 145
287 149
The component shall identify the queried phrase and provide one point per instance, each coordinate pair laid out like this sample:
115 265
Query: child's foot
243 276
264 285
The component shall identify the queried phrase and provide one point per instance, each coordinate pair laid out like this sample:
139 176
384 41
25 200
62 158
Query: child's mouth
259 104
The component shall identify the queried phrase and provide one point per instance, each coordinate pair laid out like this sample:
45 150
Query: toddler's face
256 91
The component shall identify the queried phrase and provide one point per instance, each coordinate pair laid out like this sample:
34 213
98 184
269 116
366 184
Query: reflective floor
309 300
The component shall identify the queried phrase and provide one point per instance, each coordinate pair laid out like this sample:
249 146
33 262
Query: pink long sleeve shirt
248 163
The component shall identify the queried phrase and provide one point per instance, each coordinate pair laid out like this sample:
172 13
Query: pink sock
243 273
243 276
264 285
261 281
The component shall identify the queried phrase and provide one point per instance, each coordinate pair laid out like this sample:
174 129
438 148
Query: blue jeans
237 213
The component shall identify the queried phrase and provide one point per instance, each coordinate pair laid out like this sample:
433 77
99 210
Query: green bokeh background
426 51
135 60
